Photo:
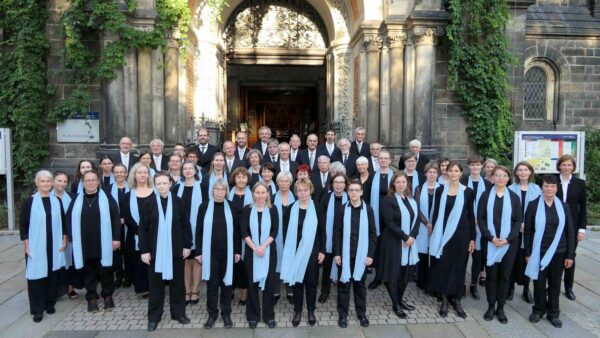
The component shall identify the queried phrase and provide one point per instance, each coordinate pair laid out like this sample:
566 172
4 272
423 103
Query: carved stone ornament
426 35
372 42
396 39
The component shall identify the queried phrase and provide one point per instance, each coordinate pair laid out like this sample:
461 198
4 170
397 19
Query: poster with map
542 149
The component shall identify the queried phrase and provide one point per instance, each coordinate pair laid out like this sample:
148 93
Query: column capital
424 35
396 39
372 42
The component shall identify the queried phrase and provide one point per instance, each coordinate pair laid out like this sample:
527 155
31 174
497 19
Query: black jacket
576 200
421 162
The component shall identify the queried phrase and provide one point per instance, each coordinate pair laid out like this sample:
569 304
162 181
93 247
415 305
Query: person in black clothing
259 233
572 191
414 147
359 146
302 218
357 209
205 150
43 231
545 261
83 167
399 255
502 242
118 190
95 229
424 195
218 246
106 175
166 266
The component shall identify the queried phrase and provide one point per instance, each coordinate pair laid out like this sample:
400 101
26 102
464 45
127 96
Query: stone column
372 45
144 75
408 126
396 42
425 39
342 88
158 95
173 131
130 94
384 98
114 101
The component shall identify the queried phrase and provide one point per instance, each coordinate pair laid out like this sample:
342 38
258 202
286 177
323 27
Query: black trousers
277 286
42 292
423 270
360 294
253 310
326 274
156 299
396 289
93 272
140 279
546 300
118 269
218 268
377 257
130 262
497 280
518 272
570 272
479 258
309 283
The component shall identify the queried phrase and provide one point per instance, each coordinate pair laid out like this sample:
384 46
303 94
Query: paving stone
440 330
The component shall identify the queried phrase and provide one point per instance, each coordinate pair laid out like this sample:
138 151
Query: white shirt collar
565 180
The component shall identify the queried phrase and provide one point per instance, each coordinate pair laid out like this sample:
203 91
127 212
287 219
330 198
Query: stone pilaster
114 100
372 44
158 95
342 87
396 41
130 94
144 75
173 131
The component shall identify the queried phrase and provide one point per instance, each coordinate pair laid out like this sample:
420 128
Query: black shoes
252 324
399 312
210 323
297 318
474 292
482 280
126 283
570 295
364 321
227 323
290 299
343 323
51 310
444 307
534 318
374 284
271 324
323 298
93 306
109 303
511 293
501 316
38 318
527 296
557 323
182 320
406 306
489 314
459 309
312 320
152 326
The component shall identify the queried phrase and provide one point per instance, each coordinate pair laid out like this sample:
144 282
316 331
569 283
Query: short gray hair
157 140
343 139
490 160
43 173
284 174
414 143
357 129
324 157
283 144
221 182
362 160
338 167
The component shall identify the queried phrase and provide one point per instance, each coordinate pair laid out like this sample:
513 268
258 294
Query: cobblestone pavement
581 318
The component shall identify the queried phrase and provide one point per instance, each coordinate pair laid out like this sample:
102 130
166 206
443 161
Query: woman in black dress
117 190
452 240
425 197
283 198
254 159
362 174
43 231
106 175
259 224
216 171
268 174
83 167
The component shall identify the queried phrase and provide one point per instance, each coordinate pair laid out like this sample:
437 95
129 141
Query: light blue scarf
105 230
37 261
211 183
533 192
440 180
260 265
422 240
279 240
478 193
164 244
495 254
362 249
207 239
535 264
441 236
409 256
415 180
152 173
80 186
247 200
66 201
295 260
114 191
375 196
135 214
196 202
330 216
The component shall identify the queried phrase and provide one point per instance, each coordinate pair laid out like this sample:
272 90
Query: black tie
273 158
202 148
345 159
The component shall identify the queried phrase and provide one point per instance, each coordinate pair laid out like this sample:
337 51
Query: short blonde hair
305 182
133 184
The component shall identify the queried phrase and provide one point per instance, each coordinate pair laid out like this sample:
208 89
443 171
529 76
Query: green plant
592 171
479 57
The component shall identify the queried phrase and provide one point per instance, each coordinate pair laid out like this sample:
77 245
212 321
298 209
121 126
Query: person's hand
122 220
260 251
186 253
369 261
503 242
65 241
199 259
526 259
237 257
471 247
568 263
522 229
496 241
321 258
409 242
116 245
429 228
27 252
580 236
338 260
146 258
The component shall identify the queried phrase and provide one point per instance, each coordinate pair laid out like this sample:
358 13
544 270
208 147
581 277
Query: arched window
539 91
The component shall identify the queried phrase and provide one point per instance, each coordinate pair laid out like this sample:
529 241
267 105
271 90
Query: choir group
272 218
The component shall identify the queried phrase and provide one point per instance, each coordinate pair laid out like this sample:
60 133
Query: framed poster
79 128
543 148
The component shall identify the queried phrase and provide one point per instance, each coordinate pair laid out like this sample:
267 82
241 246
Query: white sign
80 128
3 145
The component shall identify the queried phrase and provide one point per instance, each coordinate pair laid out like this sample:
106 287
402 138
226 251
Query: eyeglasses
501 176
354 190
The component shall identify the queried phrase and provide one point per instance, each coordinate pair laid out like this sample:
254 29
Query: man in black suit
205 149
231 162
125 157
320 178
160 161
359 146
272 152
264 134
347 158
295 143
241 138
414 147
374 149
310 155
285 164
329 148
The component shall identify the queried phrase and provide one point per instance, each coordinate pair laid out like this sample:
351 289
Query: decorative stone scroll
426 35
372 42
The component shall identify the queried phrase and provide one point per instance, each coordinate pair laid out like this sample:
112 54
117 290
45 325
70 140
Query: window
539 91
